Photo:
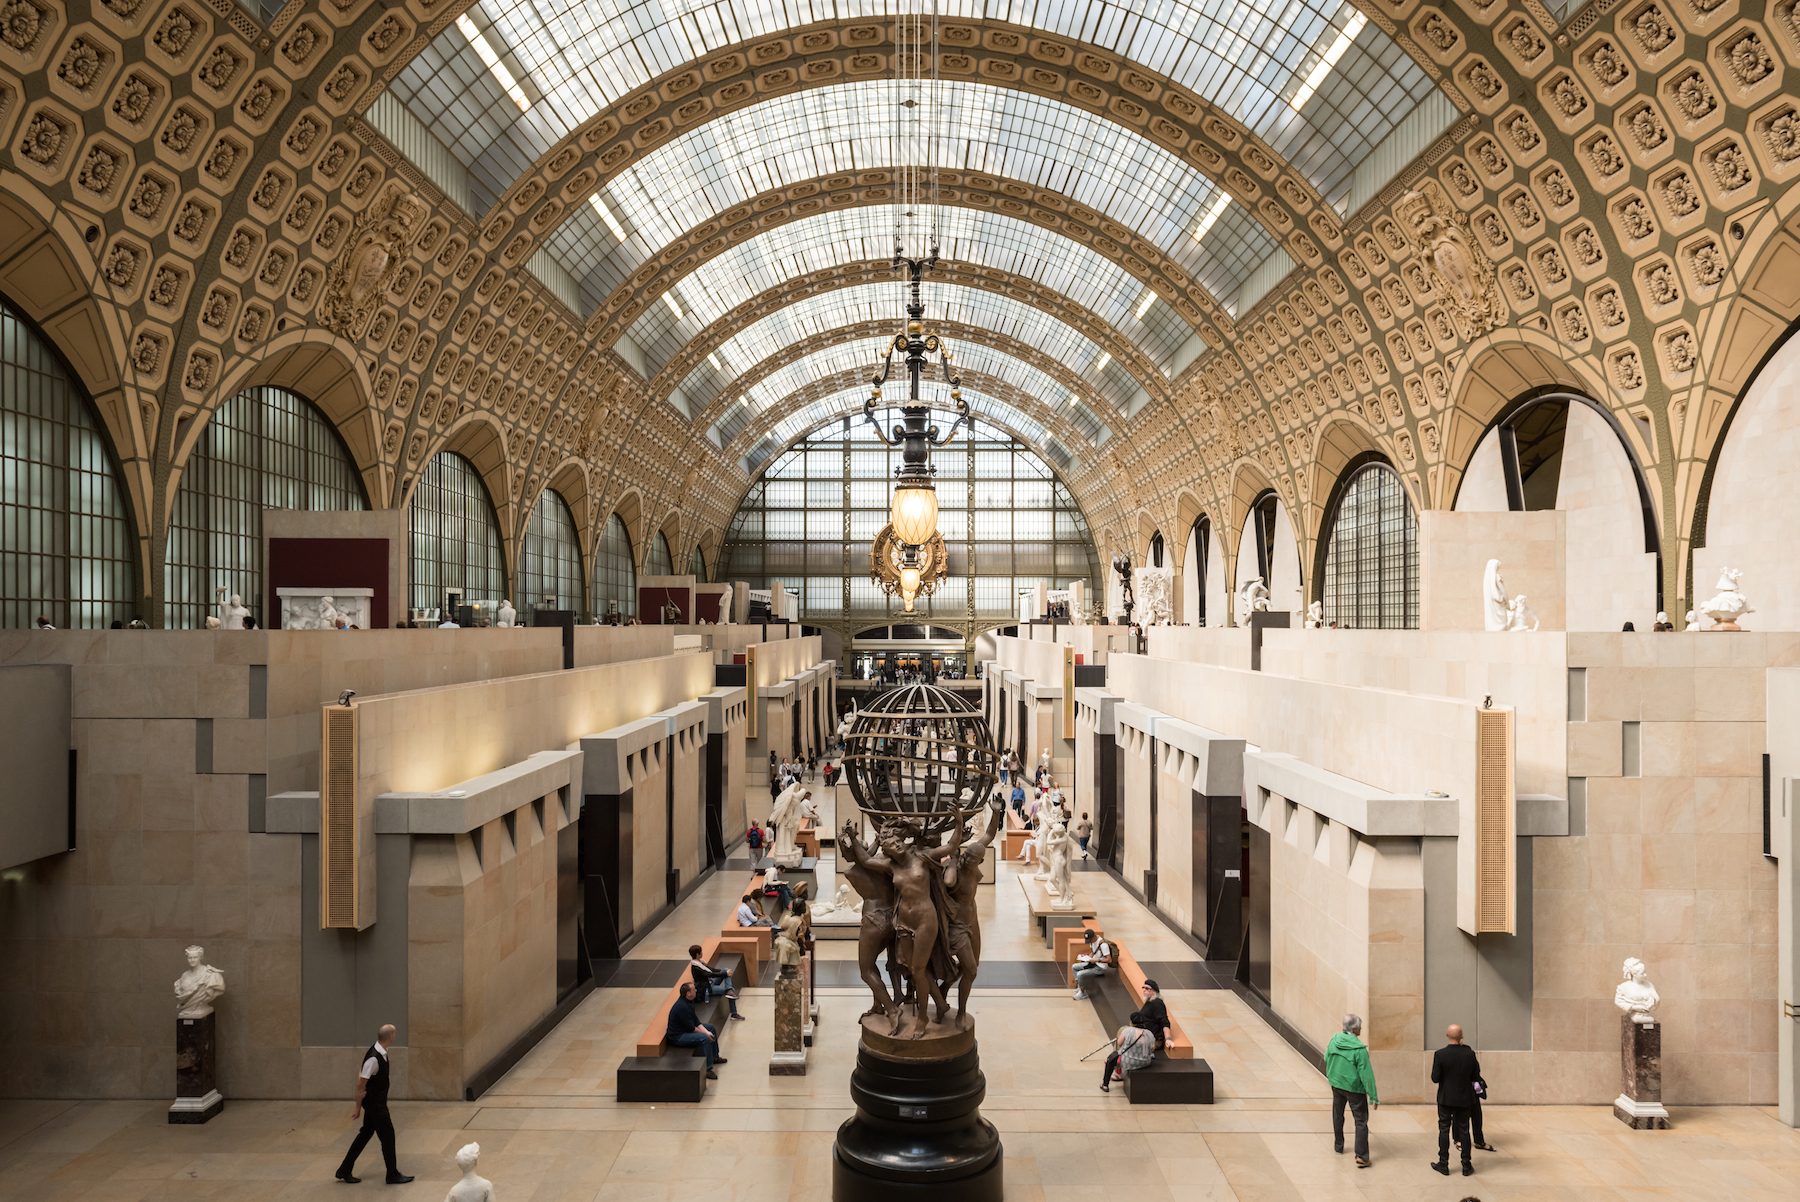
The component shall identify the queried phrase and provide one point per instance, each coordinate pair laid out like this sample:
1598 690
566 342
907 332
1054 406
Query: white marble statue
1252 598
508 615
198 987
1315 615
1059 857
1635 995
844 905
1729 604
1040 840
231 613
471 1188
1520 616
329 617
1493 597
1155 589
785 816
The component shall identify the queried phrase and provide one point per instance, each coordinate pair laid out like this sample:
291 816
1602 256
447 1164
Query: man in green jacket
1352 1084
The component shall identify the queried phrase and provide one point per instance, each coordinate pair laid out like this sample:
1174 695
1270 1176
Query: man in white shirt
1094 963
748 917
372 1107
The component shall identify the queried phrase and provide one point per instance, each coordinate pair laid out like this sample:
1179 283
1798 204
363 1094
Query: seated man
687 1031
1133 1048
1154 1017
774 888
749 916
709 980
1092 964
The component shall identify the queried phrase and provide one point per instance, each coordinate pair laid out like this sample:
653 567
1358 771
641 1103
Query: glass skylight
997 131
576 57
718 374
833 408
859 235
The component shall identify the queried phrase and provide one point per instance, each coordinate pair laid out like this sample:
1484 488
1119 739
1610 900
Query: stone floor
551 1131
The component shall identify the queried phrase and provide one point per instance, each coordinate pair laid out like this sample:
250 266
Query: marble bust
471 1188
508 615
1635 995
198 987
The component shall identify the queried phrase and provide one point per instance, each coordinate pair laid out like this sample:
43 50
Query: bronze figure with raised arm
962 874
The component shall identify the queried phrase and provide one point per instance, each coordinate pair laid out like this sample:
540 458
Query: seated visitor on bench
1092 964
1154 1017
774 886
748 915
709 980
1134 1048
687 1031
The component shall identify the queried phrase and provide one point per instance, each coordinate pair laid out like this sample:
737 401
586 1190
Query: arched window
659 562
550 560
698 567
615 576
1156 550
265 448
454 535
66 544
1372 556
1199 550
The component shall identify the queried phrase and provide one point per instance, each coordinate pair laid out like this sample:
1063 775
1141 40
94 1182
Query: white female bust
472 1188
1635 995
199 987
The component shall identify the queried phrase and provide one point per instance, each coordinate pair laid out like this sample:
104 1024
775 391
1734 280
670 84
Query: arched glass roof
859 235
999 131
810 417
826 311
564 61
860 357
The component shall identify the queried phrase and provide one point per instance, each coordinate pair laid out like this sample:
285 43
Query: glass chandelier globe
915 511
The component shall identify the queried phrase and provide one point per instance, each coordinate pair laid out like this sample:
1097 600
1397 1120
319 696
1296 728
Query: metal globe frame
913 750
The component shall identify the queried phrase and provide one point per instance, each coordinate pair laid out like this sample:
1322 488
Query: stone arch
1342 439
630 508
479 438
1494 372
325 371
570 480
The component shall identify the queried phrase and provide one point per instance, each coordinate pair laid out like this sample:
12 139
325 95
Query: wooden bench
1013 838
651 1044
763 937
1177 1045
1168 1081
1072 942
675 1077
1173 1076
808 839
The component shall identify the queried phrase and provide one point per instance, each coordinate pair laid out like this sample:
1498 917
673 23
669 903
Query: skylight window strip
612 223
1322 69
491 60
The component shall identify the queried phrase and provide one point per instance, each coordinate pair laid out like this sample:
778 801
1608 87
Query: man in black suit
1454 1069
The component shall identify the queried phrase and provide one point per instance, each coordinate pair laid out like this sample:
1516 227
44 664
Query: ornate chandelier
908 556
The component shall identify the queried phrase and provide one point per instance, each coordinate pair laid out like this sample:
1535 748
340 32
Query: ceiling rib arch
878 307
772 258
1076 159
1247 66
858 348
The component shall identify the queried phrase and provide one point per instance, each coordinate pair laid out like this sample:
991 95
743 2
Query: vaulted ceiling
639 249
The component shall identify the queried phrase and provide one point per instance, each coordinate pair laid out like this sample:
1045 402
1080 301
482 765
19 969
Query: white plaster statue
508 615
1059 856
1493 597
212 623
198 987
1729 604
1315 615
843 906
1044 759
231 613
1252 598
471 1188
785 816
329 617
1040 840
1155 589
1635 995
1519 616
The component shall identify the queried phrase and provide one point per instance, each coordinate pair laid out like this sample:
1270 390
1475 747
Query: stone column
1640 1105
197 1096
789 1059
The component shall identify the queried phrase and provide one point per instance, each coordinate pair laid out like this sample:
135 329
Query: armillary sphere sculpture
920 761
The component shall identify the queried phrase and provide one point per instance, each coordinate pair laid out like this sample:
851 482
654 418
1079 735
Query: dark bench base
676 1077
1167 1081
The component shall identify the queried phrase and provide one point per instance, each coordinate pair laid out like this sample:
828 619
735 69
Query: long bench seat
652 1042
1174 1075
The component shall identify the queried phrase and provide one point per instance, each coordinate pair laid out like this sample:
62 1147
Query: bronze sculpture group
919 908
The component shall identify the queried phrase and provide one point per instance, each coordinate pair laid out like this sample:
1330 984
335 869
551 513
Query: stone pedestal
1640 1048
918 1131
809 1006
196 1071
789 1059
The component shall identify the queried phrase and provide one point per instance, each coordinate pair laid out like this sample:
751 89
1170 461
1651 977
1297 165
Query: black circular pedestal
918 1130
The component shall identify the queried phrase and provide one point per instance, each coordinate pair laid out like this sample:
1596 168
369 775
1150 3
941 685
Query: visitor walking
1352 1082
372 1108
1454 1069
1084 830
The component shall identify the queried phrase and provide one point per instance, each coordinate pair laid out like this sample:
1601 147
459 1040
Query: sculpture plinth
197 1096
918 1130
1639 1105
789 1058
